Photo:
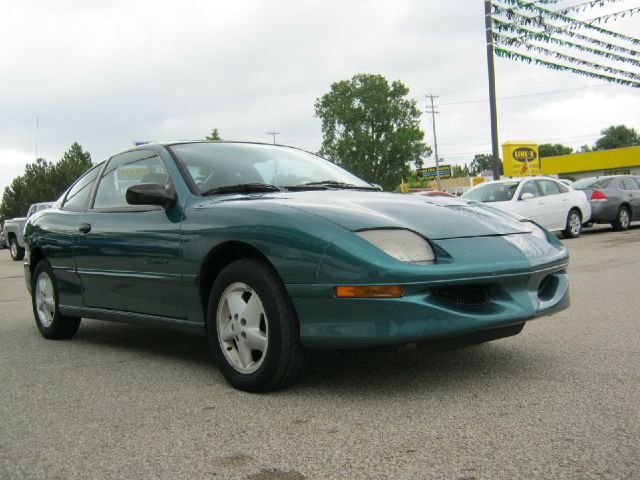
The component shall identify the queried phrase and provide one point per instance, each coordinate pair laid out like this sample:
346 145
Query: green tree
73 163
482 162
459 171
585 148
372 129
617 136
43 181
553 150
214 135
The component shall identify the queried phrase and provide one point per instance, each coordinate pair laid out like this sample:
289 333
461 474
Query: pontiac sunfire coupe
271 250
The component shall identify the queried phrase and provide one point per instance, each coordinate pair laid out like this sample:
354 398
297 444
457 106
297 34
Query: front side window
530 187
78 195
125 170
548 187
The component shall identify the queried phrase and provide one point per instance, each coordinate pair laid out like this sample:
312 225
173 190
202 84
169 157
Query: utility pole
492 90
433 112
274 136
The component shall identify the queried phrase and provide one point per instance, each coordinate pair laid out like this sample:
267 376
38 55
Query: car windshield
218 167
589 183
492 192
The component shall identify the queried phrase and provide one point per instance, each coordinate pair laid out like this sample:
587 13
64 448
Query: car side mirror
526 196
150 194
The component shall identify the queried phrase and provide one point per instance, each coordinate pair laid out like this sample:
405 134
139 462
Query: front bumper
421 314
520 278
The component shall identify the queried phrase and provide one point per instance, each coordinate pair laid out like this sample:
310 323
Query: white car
546 201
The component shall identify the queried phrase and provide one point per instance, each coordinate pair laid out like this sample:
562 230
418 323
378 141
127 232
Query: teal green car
271 251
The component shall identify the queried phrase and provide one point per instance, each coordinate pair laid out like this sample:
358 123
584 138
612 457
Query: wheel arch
35 256
218 258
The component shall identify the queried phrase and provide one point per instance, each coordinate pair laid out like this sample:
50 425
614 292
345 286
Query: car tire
44 299
623 219
253 329
16 251
574 224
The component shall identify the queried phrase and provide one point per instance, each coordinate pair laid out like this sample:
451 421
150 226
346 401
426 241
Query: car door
631 194
128 257
529 202
60 228
556 205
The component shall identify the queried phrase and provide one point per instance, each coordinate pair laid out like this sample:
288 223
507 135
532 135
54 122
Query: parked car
271 250
546 201
614 199
3 243
12 231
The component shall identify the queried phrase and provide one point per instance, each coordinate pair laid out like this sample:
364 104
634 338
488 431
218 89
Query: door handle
84 228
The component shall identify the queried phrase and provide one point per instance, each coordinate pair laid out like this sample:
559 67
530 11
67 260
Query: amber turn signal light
372 291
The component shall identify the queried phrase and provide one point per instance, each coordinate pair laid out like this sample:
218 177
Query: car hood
433 217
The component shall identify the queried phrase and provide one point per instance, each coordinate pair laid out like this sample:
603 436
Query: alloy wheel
45 300
623 218
575 224
243 330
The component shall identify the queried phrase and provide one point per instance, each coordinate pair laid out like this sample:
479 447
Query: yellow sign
520 159
478 180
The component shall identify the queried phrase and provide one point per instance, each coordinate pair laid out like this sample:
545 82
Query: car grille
464 296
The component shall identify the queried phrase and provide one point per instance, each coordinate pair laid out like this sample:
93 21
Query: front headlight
402 245
536 231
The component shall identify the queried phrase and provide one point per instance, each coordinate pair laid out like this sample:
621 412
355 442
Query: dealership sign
444 171
520 159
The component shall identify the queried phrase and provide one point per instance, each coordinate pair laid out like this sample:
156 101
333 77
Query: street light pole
274 136
492 90
435 141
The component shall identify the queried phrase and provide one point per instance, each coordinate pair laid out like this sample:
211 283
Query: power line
548 92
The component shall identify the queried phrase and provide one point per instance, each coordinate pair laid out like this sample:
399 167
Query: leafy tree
617 136
372 129
459 171
584 149
73 163
553 150
214 135
43 181
482 162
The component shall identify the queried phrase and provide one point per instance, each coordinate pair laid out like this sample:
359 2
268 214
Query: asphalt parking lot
560 400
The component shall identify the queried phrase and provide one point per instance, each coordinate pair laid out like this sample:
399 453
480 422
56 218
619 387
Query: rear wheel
623 219
574 225
253 329
17 252
44 298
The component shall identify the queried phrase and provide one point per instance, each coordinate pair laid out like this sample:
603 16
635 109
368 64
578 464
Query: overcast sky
108 74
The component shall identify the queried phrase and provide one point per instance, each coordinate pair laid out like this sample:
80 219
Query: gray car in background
614 199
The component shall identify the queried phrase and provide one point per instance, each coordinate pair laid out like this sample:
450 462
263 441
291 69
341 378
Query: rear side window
78 196
629 183
548 187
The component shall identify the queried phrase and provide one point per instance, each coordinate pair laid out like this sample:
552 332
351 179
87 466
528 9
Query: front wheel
253 329
44 298
16 251
573 226
623 219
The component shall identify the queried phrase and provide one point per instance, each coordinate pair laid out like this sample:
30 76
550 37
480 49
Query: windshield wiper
325 184
243 188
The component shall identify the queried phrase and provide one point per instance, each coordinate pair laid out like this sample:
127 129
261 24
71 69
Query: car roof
518 179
